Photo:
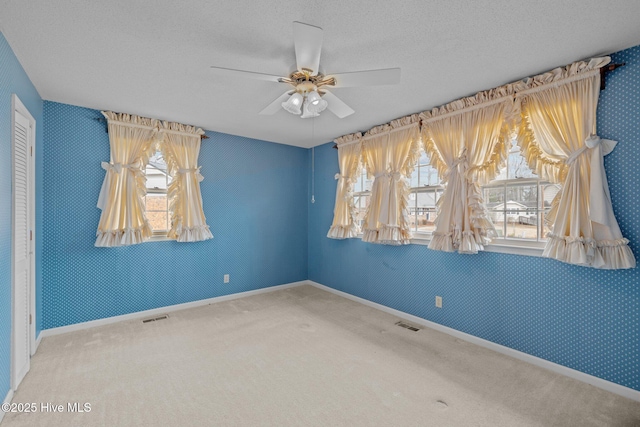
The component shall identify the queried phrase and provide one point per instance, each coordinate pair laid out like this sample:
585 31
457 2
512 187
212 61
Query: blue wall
255 200
13 79
585 319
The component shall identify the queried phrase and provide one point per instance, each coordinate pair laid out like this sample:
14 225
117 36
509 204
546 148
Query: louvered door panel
21 245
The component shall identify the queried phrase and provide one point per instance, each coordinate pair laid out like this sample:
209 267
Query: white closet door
21 246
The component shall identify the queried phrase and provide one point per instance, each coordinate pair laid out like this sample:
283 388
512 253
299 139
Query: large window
156 200
517 201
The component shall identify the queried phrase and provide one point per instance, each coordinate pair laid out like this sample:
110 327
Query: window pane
426 210
497 217
517 165
522 224
156 179
368 183
544 228
424 158
493 196
156 202
412 211
523 196
428 176
158 220
156 172
362 202
413 179
547 193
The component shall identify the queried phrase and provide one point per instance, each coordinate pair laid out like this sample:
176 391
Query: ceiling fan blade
336 105
245 74
387 76
276 105
308 43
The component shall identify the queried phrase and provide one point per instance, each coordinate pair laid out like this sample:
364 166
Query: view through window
156 201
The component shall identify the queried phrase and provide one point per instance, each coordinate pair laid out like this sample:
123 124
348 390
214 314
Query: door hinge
30 234
29 318
32 151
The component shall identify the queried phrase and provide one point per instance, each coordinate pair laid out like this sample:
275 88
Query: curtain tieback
193 170
599 197
395 176
592 141
339 176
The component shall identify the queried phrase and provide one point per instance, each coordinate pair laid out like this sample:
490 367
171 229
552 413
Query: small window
156 200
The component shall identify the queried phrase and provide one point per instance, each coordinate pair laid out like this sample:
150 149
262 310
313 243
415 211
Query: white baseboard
38 340
7 399
559 369
161 310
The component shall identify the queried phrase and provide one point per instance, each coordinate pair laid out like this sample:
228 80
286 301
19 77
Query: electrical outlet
226 278
439 302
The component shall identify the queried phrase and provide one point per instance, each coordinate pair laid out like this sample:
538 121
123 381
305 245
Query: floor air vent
407 326
153 319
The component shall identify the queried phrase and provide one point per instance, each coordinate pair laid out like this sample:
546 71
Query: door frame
18 106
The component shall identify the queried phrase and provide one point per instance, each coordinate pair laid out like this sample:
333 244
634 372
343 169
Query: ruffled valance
560 74
348 139
131 119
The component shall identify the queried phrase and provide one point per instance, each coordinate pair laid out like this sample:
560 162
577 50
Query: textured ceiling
152 58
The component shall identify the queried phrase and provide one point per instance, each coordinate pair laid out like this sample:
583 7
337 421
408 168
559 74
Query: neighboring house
513 210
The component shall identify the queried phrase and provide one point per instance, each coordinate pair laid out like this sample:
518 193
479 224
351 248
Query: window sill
160 238
516 248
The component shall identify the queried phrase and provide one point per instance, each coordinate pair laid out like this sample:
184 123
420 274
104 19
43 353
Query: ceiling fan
309 95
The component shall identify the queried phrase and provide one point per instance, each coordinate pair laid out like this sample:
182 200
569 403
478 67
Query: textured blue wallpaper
255 200
13 79
585 319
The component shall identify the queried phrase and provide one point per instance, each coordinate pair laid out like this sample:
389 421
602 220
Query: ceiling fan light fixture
293 104
318 107
308 111
314 97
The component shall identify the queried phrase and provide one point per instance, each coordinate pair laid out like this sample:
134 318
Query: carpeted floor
297 357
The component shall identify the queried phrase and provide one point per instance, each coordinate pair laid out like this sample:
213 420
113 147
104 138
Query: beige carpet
297 357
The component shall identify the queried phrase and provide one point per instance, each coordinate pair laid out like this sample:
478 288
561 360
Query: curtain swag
467 140
131 139
121 199
389 154
181 147
559 140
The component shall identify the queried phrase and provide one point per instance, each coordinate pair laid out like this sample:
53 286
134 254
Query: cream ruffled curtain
121 199
344 224
389 153
558 138
467 141
181 147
